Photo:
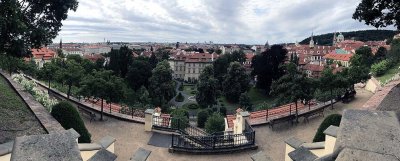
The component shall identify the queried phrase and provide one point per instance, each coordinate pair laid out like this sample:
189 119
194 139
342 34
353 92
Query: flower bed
39 95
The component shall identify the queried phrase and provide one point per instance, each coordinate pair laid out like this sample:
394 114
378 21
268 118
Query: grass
389 74
257 98
188 89
16 117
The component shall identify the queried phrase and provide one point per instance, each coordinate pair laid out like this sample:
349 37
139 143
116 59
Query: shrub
202 118
215 123
180 88
193 106
180 118
333 119
179 98
380 68
193 92
69 117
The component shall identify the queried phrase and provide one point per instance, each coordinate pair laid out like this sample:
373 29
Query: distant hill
363 35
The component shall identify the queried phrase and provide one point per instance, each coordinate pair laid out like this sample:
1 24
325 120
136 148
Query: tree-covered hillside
365 35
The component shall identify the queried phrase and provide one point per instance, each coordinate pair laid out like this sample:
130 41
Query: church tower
60 43
334 39
312 44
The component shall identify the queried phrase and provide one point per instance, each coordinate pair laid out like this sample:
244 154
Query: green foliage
192 106
378 13
268 66
31 24
10 63
380 68
333 119
68 117
215 123
120 59
380 54
236 82
180 118
139 73
144 96
180 88
162 87
206 88
222 110
394 53
72 74
202 117
293 86
179 97
363 35
244 101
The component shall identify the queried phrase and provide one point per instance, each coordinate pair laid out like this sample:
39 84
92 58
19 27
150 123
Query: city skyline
241 22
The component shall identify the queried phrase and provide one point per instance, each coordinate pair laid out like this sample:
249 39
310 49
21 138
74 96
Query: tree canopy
30 24
162 87
379 13
236 82
268 66
206 87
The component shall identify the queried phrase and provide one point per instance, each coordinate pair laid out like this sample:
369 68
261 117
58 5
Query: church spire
61 43
312 40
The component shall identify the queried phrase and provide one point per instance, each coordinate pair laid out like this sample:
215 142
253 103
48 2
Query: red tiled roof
313 67
43 53
93 57
343 57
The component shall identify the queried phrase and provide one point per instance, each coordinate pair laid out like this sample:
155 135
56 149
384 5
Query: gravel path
131 136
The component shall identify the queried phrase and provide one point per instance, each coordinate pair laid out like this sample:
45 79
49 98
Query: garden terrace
16 117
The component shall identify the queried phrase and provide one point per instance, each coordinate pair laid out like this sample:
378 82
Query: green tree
292 87
236 82
161 87
68 117
202 117
139 73
120 60
72 75
10 63
378 13
379 68
244 101
144 96
206 87
380 54
30 24
48 72
215 123
268 66
363 57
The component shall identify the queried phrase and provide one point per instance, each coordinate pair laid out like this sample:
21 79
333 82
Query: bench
316 112
288 119
89 113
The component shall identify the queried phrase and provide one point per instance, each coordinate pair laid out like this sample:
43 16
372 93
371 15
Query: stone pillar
148 119
246 117
240 121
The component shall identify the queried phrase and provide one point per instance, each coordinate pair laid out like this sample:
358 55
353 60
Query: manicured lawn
16 117
257 97
188 89
389 74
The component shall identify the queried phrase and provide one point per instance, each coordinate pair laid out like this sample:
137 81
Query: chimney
212 57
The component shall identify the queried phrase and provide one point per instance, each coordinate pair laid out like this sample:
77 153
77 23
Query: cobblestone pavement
131 136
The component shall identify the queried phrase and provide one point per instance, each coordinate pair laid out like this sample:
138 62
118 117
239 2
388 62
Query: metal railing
193 138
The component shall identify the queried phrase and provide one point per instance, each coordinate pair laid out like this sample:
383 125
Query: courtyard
131 136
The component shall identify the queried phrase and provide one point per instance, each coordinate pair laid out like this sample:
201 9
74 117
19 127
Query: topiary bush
202 117
179 98
68 117
193 106
180 88
333 119
215 123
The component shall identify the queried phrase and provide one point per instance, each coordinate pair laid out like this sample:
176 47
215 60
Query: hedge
69 117
333 119
179 98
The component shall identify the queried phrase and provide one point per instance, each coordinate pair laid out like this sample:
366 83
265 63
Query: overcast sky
220 21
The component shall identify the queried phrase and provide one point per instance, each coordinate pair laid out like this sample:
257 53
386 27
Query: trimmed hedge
179 98
68 117
333 119
202 117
